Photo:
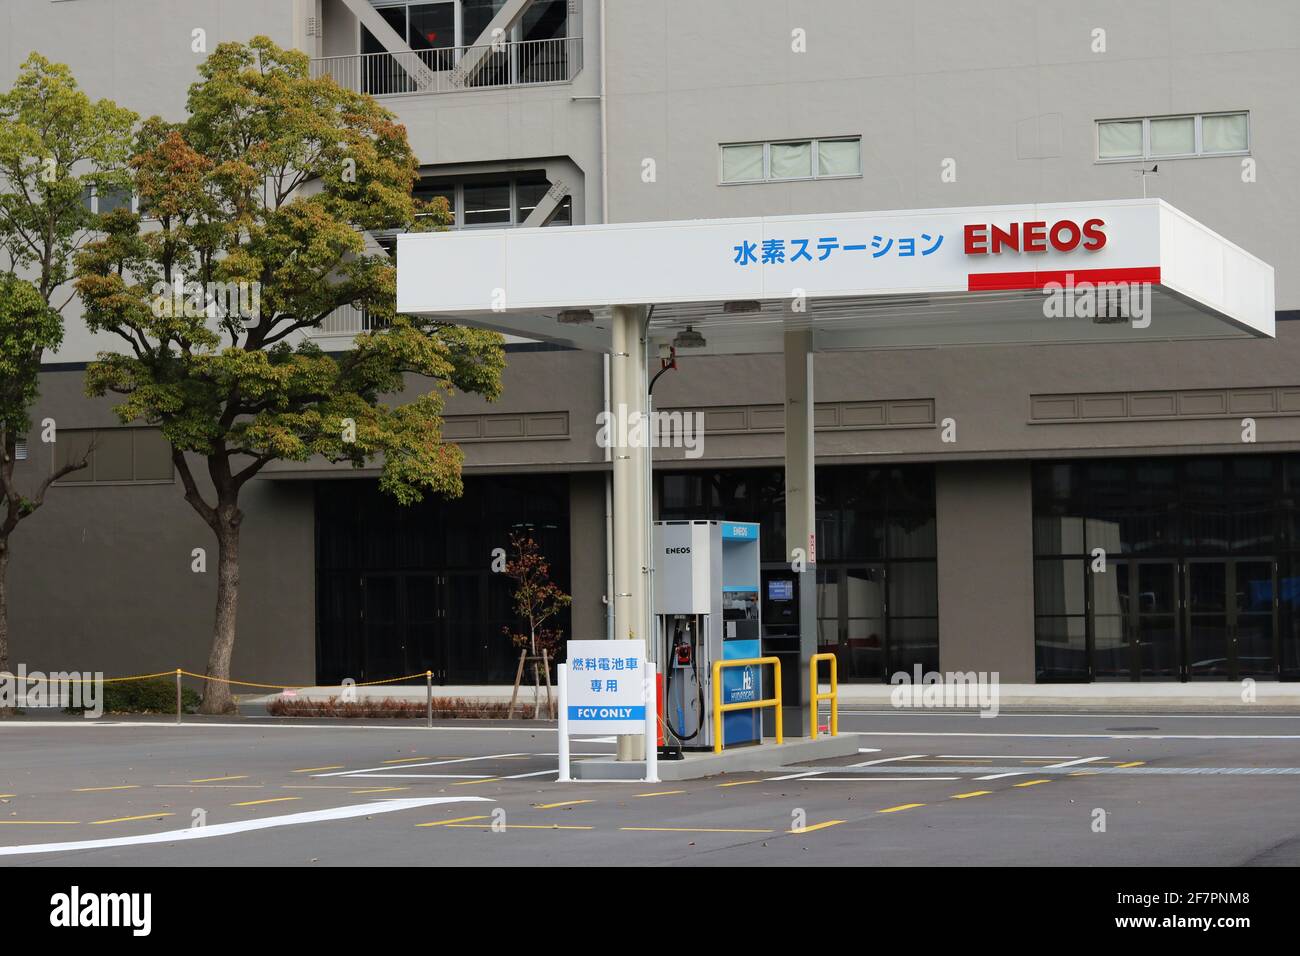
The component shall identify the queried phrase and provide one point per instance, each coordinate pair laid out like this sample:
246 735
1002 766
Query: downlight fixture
688 338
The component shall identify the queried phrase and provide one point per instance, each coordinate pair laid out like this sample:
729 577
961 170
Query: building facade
974 547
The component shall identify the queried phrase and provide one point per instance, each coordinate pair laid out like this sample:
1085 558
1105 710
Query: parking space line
430 763
144 816
659 793
462 783
39 823
1133 763
1073 763
738 783
562 803
242 776
973 793
1030 783
514 826
818 826
255 803
380 790
447 823
797 776
695 830
999 776
879 779
870 763
900 807
406 759
126 786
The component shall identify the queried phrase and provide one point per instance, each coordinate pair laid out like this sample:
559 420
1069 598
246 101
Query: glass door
1254 619
1155 616
1208 655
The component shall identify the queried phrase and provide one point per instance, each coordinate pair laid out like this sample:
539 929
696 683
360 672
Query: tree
258 205
56 148
537 600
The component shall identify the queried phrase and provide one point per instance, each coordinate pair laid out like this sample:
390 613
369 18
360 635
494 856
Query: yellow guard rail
833 696
719 708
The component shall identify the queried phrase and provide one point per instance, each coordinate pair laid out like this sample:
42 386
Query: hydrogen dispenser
707 609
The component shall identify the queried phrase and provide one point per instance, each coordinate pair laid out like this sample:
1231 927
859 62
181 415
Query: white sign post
608 687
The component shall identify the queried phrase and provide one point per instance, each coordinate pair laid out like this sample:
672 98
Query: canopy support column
632 502
800 520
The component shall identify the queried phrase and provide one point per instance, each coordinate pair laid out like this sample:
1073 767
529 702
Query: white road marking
371 771
999 776
243 826
256 726
1004 756
871 763
796 776
878 779
1073 763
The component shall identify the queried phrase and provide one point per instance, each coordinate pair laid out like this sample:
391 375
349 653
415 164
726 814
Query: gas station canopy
1126 270
897 279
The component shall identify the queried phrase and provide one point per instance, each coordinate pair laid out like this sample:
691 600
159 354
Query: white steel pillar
632 502
801 518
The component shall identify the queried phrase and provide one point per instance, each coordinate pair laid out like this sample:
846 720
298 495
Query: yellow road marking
660 793
514 826
565 803
973 793
739 783
4 795
129 786
242 776
407 759
1082 773
1134 763
146 816
337 766
818 826
447 823
40 822
254 803
901 806
1030 783
694 829
213 786
467 783
381 789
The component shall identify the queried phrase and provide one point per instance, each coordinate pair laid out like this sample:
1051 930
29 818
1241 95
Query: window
791 159
20 450
505 199
106 200
1169 137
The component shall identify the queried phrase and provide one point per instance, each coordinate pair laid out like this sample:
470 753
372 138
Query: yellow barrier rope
222 680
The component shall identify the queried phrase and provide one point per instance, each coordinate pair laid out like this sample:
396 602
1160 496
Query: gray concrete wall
587 555
101 575
986 575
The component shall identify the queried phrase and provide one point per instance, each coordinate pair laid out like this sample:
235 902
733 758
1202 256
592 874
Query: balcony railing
347 320
453 69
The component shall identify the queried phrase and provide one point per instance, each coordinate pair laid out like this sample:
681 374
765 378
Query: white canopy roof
895 279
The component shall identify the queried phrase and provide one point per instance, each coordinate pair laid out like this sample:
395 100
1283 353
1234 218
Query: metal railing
347 320
453 69
719 708
833 696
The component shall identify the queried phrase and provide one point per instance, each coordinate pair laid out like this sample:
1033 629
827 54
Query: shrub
153 696
444 708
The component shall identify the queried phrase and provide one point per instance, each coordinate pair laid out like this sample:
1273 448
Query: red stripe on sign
1004 281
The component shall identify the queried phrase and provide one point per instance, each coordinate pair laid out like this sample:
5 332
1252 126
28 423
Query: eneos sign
1064 235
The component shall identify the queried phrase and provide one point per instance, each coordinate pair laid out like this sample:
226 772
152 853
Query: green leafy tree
267 190
56 147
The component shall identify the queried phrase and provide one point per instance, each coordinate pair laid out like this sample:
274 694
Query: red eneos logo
983 239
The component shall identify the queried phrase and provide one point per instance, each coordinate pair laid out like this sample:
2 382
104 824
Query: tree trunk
4 605
4 614
217 698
